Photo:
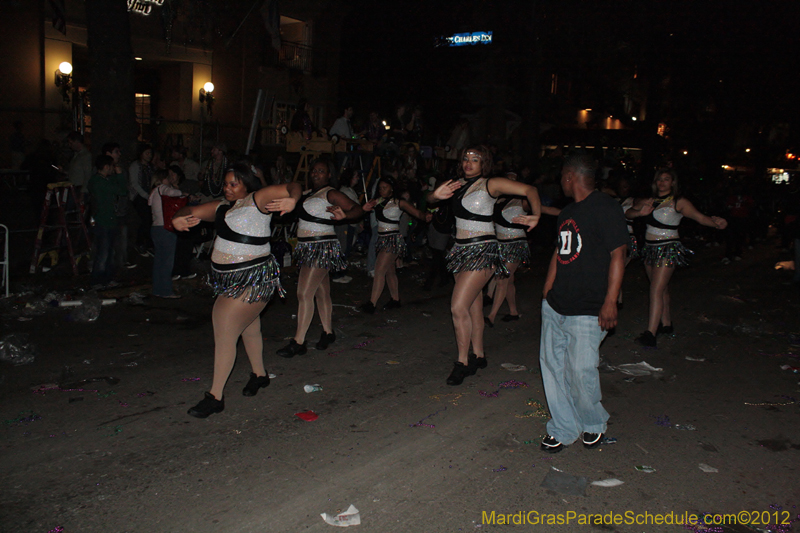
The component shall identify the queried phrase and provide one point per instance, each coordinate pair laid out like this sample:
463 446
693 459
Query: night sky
737 59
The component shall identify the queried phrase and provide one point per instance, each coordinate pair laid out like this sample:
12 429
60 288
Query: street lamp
64 80
207 97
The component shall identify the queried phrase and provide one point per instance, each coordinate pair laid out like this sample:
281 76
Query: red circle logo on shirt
569 242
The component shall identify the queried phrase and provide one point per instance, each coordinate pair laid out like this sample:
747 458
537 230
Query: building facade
287 52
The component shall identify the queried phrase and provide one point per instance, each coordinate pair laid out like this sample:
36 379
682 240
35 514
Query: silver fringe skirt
319 252
667 253
476 254
515 251
391 242
254 281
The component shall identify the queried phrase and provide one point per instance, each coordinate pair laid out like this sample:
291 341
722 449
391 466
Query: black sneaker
592 440
665 330
255 383
325 340
647 339
478 363
207 406
392 304
551 445
460 371
292 349
368 307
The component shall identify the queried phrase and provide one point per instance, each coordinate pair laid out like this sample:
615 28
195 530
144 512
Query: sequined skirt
515 251
476 254
391 242
253 281
633 247
319 252
666 253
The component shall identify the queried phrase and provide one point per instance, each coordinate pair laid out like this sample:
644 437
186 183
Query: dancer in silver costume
317 253
475 257
514 251
244 274
390 244
664 251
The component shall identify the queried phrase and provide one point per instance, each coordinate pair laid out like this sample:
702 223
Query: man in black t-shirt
580 306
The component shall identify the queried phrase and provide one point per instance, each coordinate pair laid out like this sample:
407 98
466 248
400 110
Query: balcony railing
296 56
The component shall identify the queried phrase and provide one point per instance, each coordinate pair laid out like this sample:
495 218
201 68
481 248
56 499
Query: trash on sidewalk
565 483
35 308
698 359
794 369
23 417
308 416
511 367
348 518
135 298
605 367
663 421
510 384
685 427
638 369
539 410
89 311
15 348
646 469
784 265
610 482
312 388
111 380
709 469
78 303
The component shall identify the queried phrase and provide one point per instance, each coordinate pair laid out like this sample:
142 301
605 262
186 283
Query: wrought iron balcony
295 56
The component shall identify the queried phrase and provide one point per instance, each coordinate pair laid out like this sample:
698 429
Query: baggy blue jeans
569 353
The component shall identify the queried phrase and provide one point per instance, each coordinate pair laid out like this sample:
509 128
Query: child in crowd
165 183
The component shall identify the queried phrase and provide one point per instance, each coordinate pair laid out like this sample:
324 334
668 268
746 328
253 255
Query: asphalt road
409 452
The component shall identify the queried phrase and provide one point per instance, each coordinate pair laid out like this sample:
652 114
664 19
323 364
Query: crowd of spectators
408 154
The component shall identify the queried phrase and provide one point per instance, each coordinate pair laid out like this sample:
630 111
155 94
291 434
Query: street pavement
96 437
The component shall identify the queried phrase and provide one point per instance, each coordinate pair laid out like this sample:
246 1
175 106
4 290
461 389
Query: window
143 114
